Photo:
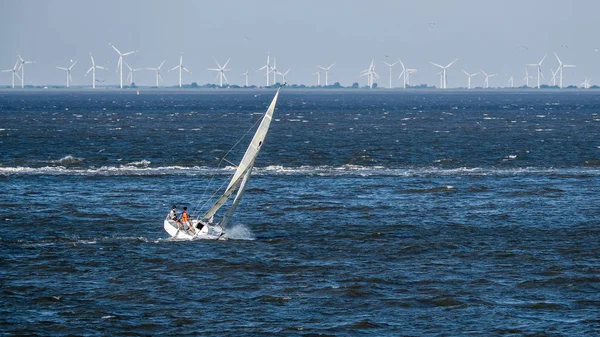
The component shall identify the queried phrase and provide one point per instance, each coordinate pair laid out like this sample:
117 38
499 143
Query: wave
143 168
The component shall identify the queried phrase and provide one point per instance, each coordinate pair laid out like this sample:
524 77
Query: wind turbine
246 75
407 73
560 67
469 75
370 73
527 77
120 63
318 73
274 70
180 66
93 70
391 65
221 72
486 83
326 72
267 67
553 79
130 74
284 74
539 69
157 72
15 72
23 63
511 82
444 78
69 79
586 83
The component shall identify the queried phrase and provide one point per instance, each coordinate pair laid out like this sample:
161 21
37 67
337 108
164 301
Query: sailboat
205 227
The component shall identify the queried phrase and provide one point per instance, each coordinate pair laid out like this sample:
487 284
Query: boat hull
208 231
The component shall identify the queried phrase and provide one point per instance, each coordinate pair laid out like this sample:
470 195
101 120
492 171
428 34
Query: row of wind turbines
271 69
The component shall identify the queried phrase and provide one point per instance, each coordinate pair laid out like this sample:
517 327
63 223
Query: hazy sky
301 35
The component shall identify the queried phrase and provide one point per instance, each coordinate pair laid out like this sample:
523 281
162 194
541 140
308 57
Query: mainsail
242 173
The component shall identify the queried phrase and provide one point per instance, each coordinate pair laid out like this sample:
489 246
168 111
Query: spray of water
240 232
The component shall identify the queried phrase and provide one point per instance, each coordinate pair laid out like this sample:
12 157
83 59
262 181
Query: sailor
173 217
185 219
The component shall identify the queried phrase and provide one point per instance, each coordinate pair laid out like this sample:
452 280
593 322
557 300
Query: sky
497 36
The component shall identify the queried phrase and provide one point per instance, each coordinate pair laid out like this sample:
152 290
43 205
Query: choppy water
376 214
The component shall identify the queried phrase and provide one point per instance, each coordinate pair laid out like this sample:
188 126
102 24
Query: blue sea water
418 213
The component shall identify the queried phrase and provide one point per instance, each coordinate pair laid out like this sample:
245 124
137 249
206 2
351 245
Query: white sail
242 174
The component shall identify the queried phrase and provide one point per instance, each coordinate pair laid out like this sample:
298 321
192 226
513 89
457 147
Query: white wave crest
66 160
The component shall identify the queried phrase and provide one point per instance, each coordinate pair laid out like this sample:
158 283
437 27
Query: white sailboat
205 227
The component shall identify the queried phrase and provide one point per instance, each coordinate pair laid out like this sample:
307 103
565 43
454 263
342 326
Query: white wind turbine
15 72
283 75
93 70
371 74
246 76
486 83
444 77
180 67
318 73
407 73
560 67
130 74
391 66
157 72
469 75
527 77
326 70
511 82
539 69
267 67
586 83
22 67
553 79
274 70
68 70
120 62
221 72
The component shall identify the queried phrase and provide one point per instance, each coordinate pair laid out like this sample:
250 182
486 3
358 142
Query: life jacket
185 217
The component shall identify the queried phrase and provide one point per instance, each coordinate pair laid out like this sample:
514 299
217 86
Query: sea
369 213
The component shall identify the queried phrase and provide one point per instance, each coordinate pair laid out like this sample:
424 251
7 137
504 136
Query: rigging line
197 216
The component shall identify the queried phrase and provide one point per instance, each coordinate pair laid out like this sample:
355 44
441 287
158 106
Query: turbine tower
157 72
443 76
23 63
560 67
527 77
469 80
130 74
69 79
511 82
93 70
318 73
15 72
180 66
246 76
326 72
391 65
267 67
221 72
539 69
274 70
486 83
120 63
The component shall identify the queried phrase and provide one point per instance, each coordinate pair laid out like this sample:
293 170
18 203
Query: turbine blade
163 62
115 48
451 63
437 65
